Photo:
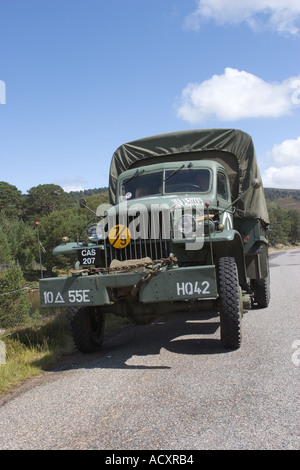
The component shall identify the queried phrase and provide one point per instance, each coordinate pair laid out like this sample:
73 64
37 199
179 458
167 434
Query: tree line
30 224
51 213
284 226
276 193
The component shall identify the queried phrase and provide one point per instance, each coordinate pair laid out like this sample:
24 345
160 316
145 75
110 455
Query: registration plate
89 256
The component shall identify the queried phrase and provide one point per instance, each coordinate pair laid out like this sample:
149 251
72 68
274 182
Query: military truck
185 228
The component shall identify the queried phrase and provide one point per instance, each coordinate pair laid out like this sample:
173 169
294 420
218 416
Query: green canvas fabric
232 148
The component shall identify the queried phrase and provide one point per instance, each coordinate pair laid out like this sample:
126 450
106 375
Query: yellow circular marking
119 236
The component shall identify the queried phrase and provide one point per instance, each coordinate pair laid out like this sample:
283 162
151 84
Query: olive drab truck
185 228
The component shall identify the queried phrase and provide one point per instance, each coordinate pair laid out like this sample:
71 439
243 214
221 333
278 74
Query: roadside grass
34 348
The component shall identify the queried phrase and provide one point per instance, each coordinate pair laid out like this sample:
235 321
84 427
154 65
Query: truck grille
152 243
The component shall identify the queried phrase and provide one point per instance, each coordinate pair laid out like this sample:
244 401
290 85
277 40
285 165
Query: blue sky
80 77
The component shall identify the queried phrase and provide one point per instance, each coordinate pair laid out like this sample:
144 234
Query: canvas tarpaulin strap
232 148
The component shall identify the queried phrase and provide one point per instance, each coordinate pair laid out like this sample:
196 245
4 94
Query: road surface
170 385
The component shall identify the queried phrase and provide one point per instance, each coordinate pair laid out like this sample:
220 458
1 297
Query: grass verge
31 349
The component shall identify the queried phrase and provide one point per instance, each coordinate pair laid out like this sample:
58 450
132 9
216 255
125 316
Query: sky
78 78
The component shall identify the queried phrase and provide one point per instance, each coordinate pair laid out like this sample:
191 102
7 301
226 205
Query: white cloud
285 169
286 177
236 95
71 184
67 189
281 16
288 152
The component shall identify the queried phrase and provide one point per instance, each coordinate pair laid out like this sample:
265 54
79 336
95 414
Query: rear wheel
87 328
261 288
230 303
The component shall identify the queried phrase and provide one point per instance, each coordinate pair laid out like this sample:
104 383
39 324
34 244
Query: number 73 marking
119 236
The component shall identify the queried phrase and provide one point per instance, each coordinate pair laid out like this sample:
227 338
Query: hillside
88 192
284 198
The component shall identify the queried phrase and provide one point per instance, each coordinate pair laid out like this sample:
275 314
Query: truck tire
87 328
230 303
261 288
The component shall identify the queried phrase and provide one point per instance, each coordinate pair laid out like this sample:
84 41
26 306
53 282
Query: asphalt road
171 386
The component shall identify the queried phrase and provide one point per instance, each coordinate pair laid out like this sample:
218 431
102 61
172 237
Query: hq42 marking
191 288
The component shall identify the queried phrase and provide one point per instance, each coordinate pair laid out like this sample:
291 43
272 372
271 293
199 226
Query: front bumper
174 284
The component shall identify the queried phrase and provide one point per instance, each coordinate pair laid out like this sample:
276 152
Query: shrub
14 305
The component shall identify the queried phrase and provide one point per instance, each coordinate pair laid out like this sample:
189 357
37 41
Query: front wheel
230 303
87 328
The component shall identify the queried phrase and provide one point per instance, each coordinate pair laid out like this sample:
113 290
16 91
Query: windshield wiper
137 173
177 170
174 172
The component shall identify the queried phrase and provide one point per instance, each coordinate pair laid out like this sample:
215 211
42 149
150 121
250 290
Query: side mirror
82 203
256 183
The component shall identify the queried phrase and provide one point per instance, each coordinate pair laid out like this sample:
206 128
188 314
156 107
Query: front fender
66 248
229 243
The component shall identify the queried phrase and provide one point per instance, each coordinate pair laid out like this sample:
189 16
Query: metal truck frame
165 243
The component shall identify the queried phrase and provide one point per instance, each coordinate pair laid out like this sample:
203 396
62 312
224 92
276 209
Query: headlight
100 231
92 233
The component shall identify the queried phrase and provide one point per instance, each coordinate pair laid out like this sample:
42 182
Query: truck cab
181 207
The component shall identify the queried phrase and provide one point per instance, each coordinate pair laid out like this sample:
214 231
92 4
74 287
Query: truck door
223 197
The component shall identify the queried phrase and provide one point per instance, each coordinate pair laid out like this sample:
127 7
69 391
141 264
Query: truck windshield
142 185
187 180
165 182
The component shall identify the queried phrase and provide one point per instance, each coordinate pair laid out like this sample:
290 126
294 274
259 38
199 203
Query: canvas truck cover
232 148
